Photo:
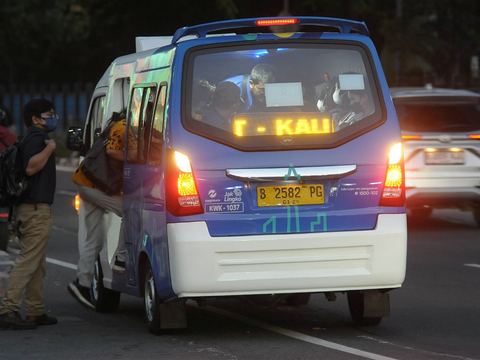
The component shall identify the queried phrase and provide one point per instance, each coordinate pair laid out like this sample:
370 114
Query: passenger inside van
252 87
348 102
361 106
330 97
226 101
201 97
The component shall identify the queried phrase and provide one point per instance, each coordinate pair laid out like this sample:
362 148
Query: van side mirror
75 138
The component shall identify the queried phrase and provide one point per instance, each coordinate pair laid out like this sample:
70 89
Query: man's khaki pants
34 223
96 204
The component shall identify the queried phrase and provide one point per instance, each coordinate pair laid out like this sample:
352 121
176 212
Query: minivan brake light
181 191
394 188
270 22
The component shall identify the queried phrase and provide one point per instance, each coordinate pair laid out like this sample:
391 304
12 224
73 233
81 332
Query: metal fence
71 101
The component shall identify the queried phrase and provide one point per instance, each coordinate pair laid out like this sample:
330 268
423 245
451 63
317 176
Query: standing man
33 221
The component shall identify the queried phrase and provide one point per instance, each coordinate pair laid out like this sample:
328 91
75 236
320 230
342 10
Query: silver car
441 135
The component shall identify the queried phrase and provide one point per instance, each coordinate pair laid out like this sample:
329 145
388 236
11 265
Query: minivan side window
155 157
95 122
139 121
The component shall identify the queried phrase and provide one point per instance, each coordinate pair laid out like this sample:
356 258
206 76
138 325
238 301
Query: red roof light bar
271 22
201 31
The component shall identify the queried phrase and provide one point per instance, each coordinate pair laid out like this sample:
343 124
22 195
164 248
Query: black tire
421 213
151 302
4 235
476 215
105 300
356 306
298 299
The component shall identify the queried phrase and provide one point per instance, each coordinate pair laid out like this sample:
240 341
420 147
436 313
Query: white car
441 136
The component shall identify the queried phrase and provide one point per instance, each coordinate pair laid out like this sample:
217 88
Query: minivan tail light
393 193
411 137
474 136
181 190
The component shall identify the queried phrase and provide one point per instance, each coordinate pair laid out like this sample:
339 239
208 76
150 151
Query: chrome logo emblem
287 140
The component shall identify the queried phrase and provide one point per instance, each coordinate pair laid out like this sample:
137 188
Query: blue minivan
258 164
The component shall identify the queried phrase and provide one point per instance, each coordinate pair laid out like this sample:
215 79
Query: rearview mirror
96 134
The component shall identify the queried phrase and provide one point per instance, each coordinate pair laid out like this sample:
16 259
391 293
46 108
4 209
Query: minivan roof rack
344 26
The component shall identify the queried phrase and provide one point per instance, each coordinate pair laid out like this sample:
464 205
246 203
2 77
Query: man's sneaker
13 320
119 266
43 319
81 294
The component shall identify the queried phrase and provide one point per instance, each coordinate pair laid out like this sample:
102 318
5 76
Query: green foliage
75 40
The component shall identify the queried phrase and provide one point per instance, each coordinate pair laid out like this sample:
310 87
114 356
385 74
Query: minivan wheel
105 300
151 302
476 215
356 306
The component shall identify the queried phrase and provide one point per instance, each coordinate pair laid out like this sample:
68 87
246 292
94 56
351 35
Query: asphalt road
434 316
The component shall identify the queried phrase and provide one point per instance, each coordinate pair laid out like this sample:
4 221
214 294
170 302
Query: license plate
444 157
285 195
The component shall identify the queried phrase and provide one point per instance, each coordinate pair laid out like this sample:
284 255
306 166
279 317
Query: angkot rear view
263 164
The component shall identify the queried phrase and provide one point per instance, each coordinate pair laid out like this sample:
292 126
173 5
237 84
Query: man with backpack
7 138
33 220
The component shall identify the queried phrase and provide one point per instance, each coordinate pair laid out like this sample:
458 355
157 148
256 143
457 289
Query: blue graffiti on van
321 221
291 170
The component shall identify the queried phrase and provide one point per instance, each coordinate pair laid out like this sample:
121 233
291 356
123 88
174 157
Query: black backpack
14 183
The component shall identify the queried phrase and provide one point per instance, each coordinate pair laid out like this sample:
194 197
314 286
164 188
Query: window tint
271 97
440 115
156 141
139 122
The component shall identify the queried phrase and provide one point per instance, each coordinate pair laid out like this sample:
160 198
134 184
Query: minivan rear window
438 114
288 96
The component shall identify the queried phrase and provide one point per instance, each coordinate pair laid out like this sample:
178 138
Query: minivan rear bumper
202 265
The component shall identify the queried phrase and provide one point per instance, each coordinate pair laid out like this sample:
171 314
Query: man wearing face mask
361 106
225 102
33 221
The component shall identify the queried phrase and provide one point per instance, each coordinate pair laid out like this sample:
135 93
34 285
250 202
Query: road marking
291 333
51 261
244 319
472 265
73 233
411 348
68 193
66 168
